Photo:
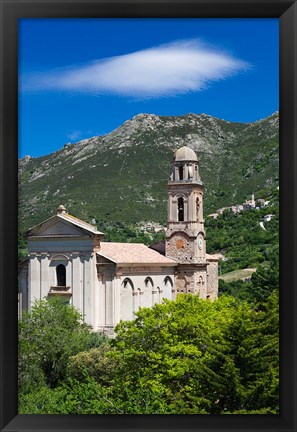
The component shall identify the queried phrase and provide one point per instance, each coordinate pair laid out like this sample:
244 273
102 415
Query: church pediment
55 227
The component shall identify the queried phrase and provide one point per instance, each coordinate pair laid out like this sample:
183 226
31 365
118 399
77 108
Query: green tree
239 289
197 356
96 363
51 333
70 397
188 356
22 245
266 279
181 348
258 356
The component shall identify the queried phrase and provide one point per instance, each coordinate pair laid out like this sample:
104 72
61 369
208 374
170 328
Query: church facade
108 282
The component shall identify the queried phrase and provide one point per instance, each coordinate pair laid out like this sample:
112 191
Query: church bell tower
185 235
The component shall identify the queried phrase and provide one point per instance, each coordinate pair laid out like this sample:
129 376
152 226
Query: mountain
122 176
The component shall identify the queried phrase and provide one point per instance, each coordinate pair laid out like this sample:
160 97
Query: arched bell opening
181 209
181 172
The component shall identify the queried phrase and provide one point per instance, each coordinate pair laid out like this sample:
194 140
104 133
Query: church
108 282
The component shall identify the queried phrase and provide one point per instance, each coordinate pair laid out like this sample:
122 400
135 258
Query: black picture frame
11 10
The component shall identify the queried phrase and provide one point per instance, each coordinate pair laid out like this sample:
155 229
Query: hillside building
109 282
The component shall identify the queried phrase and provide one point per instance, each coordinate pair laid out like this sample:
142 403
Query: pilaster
44 274
109 300
34 275
77 292
101 301
87 310
117 297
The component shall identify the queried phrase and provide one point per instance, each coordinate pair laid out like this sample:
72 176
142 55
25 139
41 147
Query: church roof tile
132 253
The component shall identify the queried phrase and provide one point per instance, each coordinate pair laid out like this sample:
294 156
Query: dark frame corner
10 11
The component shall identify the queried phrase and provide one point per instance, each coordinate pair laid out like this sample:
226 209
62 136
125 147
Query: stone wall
212 279
180 247
191 279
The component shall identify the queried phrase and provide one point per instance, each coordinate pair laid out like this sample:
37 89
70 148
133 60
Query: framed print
148 205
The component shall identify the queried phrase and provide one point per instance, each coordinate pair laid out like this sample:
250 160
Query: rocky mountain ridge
123 175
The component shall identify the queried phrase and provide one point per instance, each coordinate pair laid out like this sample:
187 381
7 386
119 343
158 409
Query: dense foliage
48 336
185 356
263 282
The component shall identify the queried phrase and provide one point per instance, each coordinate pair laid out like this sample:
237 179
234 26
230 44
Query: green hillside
122 176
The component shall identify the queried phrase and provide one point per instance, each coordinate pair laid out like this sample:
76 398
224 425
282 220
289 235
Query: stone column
117 298
135 300
176 172
186 209
44 275
169 211
101 301
34 278
154 296
190 207
87 290
174 210
190 171
95 299
201 207
76 286
109 300
186 171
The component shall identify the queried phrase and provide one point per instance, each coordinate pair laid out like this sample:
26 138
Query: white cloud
175 68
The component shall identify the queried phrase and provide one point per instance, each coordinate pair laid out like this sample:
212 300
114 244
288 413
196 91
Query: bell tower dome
185 235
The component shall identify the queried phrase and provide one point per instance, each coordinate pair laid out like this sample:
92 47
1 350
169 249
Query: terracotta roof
132 253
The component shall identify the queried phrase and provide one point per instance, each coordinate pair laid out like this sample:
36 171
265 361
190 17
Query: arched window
181 172
148 283
61 275
168 287
127 300
146 292
168 281
127 282
180 206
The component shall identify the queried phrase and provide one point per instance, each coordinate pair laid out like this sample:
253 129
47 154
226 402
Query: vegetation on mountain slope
240 237
122 176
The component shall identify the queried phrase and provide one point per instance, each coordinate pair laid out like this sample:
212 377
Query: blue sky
84 77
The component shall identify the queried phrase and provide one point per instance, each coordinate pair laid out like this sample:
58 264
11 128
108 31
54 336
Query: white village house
109 282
